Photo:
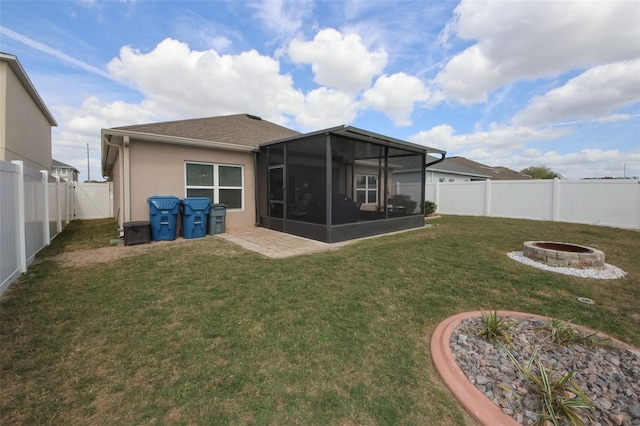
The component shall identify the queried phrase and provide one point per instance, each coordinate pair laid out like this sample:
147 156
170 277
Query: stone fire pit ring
564 254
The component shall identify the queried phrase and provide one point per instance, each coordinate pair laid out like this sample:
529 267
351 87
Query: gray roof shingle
238 129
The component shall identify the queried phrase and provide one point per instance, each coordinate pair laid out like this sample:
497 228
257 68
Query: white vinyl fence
32 211
93 200
596 202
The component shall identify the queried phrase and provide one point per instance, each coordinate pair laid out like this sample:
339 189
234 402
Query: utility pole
88 166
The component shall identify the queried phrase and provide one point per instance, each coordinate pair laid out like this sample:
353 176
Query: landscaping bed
607 372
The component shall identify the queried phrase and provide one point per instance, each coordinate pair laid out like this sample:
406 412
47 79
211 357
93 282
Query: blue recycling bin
195 214
163 217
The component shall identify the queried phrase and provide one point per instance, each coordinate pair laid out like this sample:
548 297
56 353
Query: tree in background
541 172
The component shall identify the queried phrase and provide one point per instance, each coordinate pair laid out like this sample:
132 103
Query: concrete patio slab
277 245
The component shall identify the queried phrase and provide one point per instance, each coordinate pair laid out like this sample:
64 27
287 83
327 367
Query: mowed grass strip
202 332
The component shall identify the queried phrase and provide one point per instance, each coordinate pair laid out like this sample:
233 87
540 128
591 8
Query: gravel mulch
608 373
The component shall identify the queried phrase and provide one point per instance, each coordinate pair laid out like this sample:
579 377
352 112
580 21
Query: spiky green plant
562 398
562 333
494 327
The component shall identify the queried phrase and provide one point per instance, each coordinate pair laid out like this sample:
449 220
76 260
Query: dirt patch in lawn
88 257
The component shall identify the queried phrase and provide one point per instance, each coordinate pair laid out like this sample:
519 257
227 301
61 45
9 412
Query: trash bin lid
197 203
218 206
163 203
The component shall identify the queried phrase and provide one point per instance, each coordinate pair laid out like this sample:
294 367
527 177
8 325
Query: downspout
256 189
107 140
127 181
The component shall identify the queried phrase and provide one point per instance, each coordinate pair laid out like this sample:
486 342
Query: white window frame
216 182
366 189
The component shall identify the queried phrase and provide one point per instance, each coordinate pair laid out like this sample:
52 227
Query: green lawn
203 332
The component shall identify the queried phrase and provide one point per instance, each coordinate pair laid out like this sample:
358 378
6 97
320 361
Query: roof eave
453 172
364 135
107 163
17 69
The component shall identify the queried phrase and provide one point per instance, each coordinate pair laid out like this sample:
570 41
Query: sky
505 83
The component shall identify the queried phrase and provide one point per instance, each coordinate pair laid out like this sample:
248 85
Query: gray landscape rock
609 375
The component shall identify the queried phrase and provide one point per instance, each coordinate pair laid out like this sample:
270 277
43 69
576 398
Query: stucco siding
159 169
26 132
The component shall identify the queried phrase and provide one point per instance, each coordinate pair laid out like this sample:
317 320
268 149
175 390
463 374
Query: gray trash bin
217 215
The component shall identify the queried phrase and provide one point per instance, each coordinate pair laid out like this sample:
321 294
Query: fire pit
563 254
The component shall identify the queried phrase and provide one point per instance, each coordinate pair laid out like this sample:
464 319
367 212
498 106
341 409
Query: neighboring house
64 171
329 185
25 121
451 170
463 169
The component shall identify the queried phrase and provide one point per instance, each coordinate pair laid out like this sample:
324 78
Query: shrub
430 207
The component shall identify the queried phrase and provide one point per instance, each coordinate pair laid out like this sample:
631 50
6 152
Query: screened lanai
340 184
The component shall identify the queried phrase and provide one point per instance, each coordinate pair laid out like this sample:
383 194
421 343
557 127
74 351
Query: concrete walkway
277 245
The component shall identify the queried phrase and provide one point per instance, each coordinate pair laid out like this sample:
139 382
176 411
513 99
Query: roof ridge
185 120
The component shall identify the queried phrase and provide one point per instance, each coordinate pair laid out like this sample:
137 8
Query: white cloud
509 146
529 40
580 164
81 125
195 29
395 96
326 108
95 114
339 62
614 118
283 17
499 138
591 95
187 83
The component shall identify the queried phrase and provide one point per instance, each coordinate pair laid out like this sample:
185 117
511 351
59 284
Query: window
63 172
220 183
367 189
452 180
441 180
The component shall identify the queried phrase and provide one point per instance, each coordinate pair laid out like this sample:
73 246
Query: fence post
22 243
69 202
73 199
555 203
47 230
436 193
487 197
58 207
